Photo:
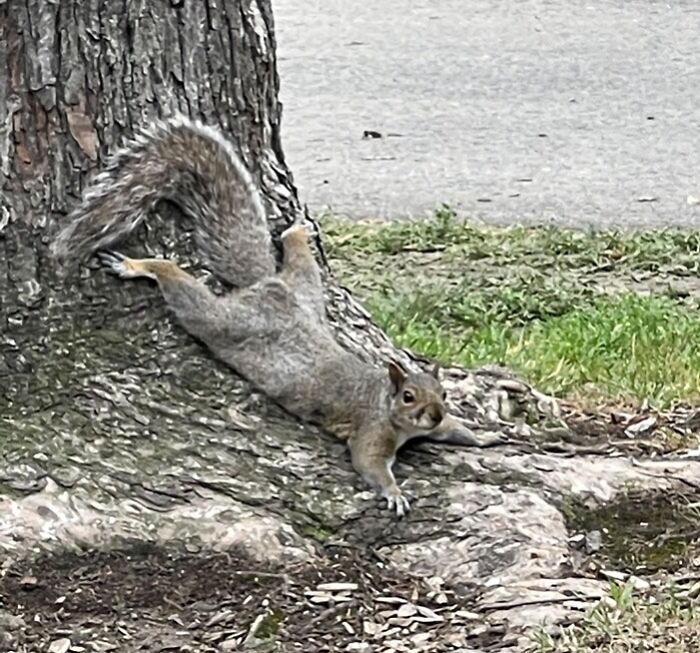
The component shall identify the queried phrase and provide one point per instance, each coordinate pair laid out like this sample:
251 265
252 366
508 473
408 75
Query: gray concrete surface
583 112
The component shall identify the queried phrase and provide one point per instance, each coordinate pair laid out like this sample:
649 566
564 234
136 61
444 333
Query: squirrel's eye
444 395
408 397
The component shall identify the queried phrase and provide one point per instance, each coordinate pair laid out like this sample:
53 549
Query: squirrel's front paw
116 263
396 501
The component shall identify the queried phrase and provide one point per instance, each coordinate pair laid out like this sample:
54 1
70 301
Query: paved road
579 112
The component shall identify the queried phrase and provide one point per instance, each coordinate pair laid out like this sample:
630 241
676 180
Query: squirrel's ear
397 376
436 371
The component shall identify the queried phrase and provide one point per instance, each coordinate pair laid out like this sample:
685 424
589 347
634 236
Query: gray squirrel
271 328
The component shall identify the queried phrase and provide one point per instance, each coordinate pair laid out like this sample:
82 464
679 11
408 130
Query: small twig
176 605
574 449
672 477
254 629
519 604
264 574
686 578
329 612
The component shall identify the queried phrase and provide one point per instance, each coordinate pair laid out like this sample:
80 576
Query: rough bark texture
116 425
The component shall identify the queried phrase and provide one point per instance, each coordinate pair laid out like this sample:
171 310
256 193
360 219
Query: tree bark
76 79
114 421
90 360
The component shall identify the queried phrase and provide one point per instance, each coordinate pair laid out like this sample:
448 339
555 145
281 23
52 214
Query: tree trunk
115 423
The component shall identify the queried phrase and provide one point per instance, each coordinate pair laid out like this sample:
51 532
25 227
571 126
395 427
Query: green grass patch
593 316
643 250
627 348
628 622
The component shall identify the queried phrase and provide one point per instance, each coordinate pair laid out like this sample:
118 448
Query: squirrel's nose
436 413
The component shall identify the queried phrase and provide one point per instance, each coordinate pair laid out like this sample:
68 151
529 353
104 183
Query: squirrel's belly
323 411
310 380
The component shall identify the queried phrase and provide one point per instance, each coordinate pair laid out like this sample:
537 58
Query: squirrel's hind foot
119 265
297 231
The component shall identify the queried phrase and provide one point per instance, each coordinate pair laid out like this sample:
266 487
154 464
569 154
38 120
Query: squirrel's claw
396 501
115 263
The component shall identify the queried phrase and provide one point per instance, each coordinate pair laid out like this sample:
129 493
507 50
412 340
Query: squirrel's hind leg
299 268
122 266
167 273
193 303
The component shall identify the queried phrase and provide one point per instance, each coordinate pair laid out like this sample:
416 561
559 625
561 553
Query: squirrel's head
417 400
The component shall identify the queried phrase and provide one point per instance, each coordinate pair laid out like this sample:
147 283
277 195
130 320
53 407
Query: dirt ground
146 598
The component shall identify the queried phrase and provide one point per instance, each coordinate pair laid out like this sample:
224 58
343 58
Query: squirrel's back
194 166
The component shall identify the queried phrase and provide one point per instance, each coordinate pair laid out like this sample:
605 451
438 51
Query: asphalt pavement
579 112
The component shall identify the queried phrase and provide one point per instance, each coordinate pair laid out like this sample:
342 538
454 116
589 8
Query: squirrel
271 327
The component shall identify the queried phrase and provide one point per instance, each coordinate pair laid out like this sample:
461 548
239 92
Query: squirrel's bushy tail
197 168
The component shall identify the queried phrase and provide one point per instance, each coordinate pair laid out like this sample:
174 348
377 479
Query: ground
608 321
575 113
483 294
144 598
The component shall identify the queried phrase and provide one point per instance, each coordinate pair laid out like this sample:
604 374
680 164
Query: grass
626 622
601 317
650 250
595 317
632 348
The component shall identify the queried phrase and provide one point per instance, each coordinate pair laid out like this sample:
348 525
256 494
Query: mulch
149 598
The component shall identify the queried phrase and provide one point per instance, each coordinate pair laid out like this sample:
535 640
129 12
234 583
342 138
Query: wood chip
359 647
370 627
395 600
255 626
340 598
407 610
429 614
28 582
466 614
421 638
60 645
175 619
428 620
643 426
337 587
321 598
614 575
694 591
